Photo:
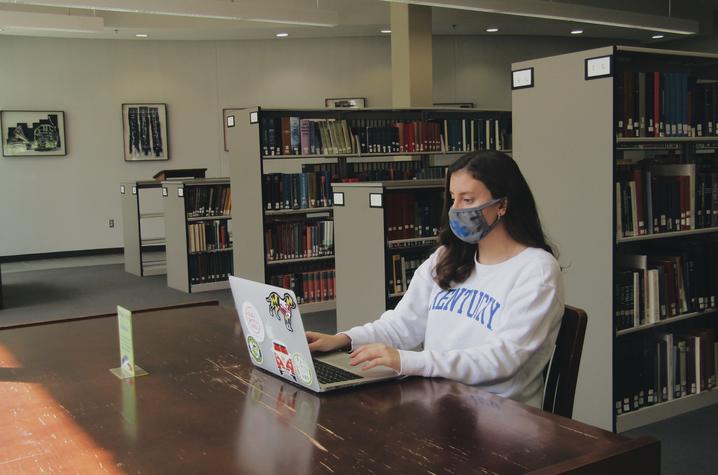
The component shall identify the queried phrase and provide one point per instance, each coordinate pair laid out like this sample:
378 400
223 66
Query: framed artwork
345 102
32 133
144 129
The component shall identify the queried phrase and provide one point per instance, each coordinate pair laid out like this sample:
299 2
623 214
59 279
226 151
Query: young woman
487 304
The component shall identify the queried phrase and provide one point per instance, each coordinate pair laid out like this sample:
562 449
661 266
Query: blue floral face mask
469 224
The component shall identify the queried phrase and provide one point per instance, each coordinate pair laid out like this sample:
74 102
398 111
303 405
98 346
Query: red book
286 137
657 126
317 286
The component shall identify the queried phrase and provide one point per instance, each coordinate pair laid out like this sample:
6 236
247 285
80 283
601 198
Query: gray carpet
688 442
53 294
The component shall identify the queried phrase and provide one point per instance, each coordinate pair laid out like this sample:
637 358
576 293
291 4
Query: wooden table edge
200 303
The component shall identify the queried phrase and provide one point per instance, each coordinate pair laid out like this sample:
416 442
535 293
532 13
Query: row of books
402 271
208 200
309 286
662 368
655 104
303 136
467 135
296 190
379 171
665 198
298 240
212 267
206 236
656 286
410 215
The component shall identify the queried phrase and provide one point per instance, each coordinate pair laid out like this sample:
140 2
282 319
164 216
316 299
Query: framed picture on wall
345 102
32 133
144 129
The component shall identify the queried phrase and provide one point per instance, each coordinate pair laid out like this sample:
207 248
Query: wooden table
204 409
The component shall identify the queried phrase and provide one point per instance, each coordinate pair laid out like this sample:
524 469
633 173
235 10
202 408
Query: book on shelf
659 285
412 215
309 284
665 104
296 190
208 236
659 198
292 135
659 368
298 240
211 267
402 271
378 171
208 200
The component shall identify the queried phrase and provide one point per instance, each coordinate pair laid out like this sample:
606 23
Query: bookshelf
636 159
143 228
198 217
272 151
384 231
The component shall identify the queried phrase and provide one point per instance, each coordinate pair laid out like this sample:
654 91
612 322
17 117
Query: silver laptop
273 330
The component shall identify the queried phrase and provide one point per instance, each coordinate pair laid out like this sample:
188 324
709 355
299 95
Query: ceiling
240 19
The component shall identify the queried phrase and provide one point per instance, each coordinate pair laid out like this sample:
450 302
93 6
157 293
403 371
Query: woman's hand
323 342
376 354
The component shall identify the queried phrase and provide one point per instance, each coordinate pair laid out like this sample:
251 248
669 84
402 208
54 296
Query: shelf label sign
599 67
134 190
253 117
122 189
180 192
338 197
522 78
127 368
164 191
230 121
375 200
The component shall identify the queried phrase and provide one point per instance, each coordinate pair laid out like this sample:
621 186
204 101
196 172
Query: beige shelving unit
566 144
177 222
143 228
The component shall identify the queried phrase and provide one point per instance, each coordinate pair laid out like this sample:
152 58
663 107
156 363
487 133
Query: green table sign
128 368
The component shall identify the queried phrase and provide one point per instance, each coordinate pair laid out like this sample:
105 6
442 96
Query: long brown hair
501 175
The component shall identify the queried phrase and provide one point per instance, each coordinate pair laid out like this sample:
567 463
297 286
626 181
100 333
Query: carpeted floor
36 292
51 294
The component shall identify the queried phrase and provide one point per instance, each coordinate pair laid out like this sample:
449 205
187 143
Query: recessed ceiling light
657 37
491 30
282 35
386 31
576 32
142 35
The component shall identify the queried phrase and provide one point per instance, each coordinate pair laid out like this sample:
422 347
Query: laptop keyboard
327 373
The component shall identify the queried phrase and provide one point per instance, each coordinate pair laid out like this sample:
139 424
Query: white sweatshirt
496 330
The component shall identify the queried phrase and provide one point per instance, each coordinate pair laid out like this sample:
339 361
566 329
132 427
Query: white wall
50 204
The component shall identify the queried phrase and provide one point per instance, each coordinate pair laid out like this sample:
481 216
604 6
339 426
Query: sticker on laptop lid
302 369
253 321
281 308
254 350
285 365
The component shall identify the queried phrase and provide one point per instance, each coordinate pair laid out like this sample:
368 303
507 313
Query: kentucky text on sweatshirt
496 330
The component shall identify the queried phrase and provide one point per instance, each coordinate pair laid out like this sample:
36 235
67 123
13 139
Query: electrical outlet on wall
112 223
